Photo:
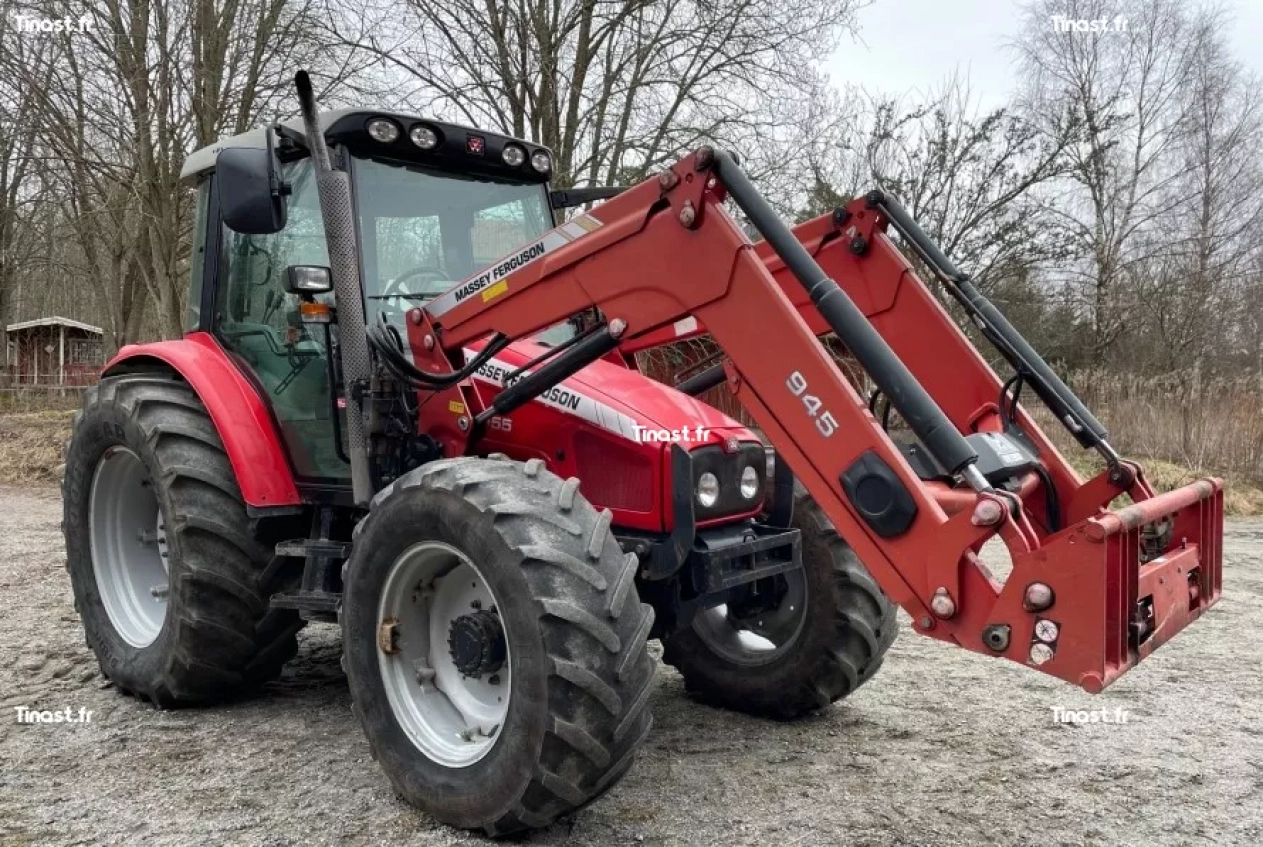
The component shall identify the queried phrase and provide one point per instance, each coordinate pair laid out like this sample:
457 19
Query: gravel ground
943 747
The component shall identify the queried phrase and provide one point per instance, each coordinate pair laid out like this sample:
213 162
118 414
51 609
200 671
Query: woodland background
1113 208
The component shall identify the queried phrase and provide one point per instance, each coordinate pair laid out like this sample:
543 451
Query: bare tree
613 87
969 176
118 106
1124 87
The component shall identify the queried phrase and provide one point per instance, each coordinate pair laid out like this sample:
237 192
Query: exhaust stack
334 188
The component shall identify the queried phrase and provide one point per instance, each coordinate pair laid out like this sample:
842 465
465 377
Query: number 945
815 409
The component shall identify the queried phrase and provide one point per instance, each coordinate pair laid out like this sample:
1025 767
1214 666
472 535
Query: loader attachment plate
1124 583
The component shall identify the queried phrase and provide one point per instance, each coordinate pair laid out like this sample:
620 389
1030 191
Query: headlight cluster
726 484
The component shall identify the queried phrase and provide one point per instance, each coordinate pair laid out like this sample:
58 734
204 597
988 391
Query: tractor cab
433 203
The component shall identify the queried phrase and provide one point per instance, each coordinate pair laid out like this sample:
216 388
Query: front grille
728 468
614 476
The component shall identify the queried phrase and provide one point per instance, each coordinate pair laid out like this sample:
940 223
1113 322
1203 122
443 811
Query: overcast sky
915 44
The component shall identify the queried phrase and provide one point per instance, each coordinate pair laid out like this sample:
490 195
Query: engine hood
618 399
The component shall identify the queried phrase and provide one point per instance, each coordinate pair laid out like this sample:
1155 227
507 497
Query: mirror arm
279 187
564 199
290 137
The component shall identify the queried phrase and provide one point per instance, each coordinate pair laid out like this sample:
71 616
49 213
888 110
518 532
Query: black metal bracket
565 199
750 560
666 557
780 511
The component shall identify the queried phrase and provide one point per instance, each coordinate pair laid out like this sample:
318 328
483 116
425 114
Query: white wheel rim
757 639
128 543
452 718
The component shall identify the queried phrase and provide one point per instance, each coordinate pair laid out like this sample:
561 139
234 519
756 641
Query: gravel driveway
943 747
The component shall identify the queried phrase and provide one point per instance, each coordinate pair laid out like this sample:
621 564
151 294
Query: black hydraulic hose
1080 422
331 371
578 357
1052 503
891 375
702 381
392 353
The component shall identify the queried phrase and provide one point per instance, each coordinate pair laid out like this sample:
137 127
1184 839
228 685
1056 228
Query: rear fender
240 415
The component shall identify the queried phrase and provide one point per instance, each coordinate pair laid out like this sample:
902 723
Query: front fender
240 415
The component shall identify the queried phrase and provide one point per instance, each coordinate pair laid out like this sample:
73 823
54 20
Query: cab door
257 320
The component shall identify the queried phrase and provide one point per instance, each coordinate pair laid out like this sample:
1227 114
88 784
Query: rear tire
165 493
845 628
577 671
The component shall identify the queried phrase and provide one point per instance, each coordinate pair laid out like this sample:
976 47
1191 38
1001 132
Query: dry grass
1241 499
31 445
1217 430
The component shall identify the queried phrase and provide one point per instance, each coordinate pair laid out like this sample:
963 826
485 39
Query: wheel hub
447 661
477 645
759 629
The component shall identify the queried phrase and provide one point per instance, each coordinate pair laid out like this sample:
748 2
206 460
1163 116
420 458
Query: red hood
646 401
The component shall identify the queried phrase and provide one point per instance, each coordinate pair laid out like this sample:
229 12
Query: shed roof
54 321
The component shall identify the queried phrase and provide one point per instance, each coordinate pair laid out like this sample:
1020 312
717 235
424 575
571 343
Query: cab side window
258 320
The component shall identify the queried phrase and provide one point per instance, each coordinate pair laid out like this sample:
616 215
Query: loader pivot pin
942 604
1038 597
987 513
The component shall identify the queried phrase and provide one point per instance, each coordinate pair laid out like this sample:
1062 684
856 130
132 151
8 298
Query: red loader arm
1083 603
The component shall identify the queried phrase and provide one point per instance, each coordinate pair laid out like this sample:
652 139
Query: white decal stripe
685 325
573 230
552 240
579 404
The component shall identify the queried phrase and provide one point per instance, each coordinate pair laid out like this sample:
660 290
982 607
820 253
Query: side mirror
251 193
308 279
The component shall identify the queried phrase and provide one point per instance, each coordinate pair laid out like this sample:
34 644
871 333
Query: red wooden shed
54 351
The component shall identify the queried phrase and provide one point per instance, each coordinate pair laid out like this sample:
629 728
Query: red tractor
407 403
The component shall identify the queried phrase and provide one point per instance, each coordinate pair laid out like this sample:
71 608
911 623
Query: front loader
853 246
374 420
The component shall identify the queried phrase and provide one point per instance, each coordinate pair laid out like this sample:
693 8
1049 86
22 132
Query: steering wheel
395 287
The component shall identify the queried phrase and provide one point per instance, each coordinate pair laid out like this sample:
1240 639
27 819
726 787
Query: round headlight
707 490
749 482
424 137
513 155
541 161
385 131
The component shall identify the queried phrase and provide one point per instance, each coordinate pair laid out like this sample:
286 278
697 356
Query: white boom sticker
562 397
552 240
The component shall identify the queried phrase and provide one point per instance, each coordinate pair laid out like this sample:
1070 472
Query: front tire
165 567
825 639
480 550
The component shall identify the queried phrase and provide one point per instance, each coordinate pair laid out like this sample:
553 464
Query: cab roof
460 148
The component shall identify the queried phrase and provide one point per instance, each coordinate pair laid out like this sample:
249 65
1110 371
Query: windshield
424 230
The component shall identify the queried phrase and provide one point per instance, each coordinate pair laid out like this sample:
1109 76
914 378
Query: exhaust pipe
334 188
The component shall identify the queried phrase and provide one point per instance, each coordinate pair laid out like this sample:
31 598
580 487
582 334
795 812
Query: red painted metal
631 478
663 232
244 423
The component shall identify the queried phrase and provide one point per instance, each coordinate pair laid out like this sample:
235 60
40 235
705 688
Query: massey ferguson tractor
406 402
